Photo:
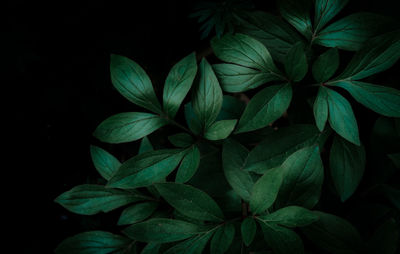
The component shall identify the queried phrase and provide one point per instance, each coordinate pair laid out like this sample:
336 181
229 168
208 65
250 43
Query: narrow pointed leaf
189 165
248 229
297 13
181 139
220 130
222 239
291 216
325 10
321 110
151 248
145 146
136 213
326 65
105 163
296 65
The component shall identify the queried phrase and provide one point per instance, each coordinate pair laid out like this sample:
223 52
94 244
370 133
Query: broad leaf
296 65
220 129
321 109
189 165
105 163
265 107
136 213
265 190
190 201
207 96
326 65
291 216
127 127
89 199
181 139
222 239
93 242
145 146
248 229
178 83
133 83
297 13
234 157
147 168
325 10
303 178
161 230
347 164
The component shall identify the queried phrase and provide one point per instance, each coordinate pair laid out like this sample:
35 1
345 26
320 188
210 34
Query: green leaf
381 99
291 216
265 107
207 96
296 65
325 10
105 163
234 157
93 242
220 129
133 83
222 239
194 245
89 199
190 201
333 234
385 239
278 145
341 117
281 240
151 248
303 178
178 83
232 108
192 120
189 165
347 164
297 13
265 190
320 108
127 127
160 230
145 169
145 146
181 139
248 229
326 65
136 213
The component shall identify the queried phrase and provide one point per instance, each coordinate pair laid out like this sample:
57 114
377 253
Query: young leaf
160 230
248 229
265 190
347 164
232 108
105 163
189 165
326 65
296 65
133 83
265 107
127 127
145 169
291 216
181 139
151 248
178 83
234 157
381 99
333 234
93 242
136 213
297 13
303 178
222 239
220 129
89 199
145 146
207 96
320 108
190 201
325 10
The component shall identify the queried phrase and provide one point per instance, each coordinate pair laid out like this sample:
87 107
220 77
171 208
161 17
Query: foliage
247 176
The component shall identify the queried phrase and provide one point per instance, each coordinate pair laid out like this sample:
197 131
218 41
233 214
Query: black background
57 70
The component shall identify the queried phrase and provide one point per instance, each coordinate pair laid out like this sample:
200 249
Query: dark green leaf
232 108
385 239
321 109
265 190
194 245
207 96
88 199
105 163
326 65
190 201
297 13
234 157
325 10
161 230
133 83
303 178
222 239
136 213
151 248
392 194
127 127
296 65
192 120
93 242
333 234
291 216
347 164
145 146
395 157
265 107
178 84
248 229
220 129
181 139
189 165
147 168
